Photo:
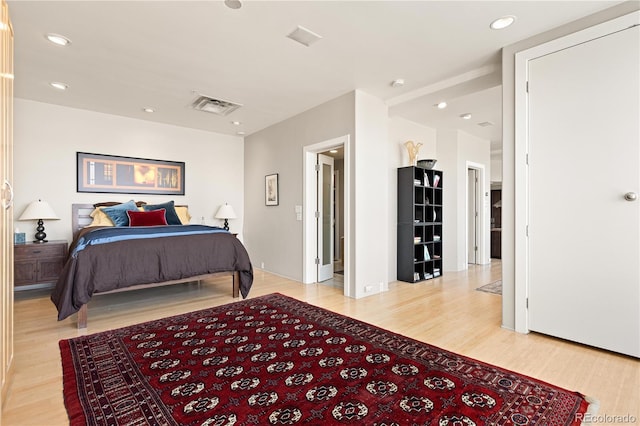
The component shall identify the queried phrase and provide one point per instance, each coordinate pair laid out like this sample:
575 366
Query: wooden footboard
83 314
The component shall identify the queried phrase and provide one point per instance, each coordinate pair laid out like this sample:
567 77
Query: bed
107 259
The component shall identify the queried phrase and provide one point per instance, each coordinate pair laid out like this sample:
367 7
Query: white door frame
521 143
309 237
482 203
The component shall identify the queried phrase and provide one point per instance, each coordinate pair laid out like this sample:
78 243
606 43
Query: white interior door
325 217
472 216
584 156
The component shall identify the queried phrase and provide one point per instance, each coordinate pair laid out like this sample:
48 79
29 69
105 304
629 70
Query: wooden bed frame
81 217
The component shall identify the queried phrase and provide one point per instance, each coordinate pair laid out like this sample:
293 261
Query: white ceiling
128 55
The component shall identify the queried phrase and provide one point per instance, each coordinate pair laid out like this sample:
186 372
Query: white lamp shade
225 212
38 210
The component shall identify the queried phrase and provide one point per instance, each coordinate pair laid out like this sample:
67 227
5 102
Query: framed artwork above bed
128 175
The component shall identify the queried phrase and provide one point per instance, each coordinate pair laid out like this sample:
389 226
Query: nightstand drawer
29 251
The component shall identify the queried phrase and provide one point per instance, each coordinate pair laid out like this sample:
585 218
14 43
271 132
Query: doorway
338 213
339 197
477 216
496 220
325 222
472 216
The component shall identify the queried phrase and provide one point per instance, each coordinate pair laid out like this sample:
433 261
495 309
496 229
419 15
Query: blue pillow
170 211
118 213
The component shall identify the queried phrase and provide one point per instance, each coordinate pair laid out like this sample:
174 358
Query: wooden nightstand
38 263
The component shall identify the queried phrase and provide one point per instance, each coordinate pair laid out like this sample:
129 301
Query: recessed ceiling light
441 105
148 109
240 133
503 22
233 4
399 82
466 116
334 151
58 85
236 123
58 39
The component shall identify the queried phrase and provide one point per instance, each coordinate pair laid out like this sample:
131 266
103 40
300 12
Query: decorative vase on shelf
412 149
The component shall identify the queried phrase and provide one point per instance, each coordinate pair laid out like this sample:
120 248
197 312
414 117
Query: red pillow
151 218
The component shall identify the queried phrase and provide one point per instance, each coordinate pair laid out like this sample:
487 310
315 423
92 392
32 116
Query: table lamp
225 212
39 210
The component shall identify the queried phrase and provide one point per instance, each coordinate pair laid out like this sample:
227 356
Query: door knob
6 187
630 196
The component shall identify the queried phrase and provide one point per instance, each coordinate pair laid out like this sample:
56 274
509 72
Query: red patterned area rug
276 360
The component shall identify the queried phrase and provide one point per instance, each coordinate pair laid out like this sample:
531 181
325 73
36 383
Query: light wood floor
447 312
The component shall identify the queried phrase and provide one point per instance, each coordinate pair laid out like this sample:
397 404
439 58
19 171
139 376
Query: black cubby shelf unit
419 224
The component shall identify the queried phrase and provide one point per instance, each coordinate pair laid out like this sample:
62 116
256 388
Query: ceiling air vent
214 106
304 36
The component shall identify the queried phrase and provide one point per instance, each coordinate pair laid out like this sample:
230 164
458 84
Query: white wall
496 166
448 163
455 150
48 136
371 178
400 131
508 138
273 236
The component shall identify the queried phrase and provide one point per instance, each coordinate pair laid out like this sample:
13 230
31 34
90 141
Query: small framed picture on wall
271 190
